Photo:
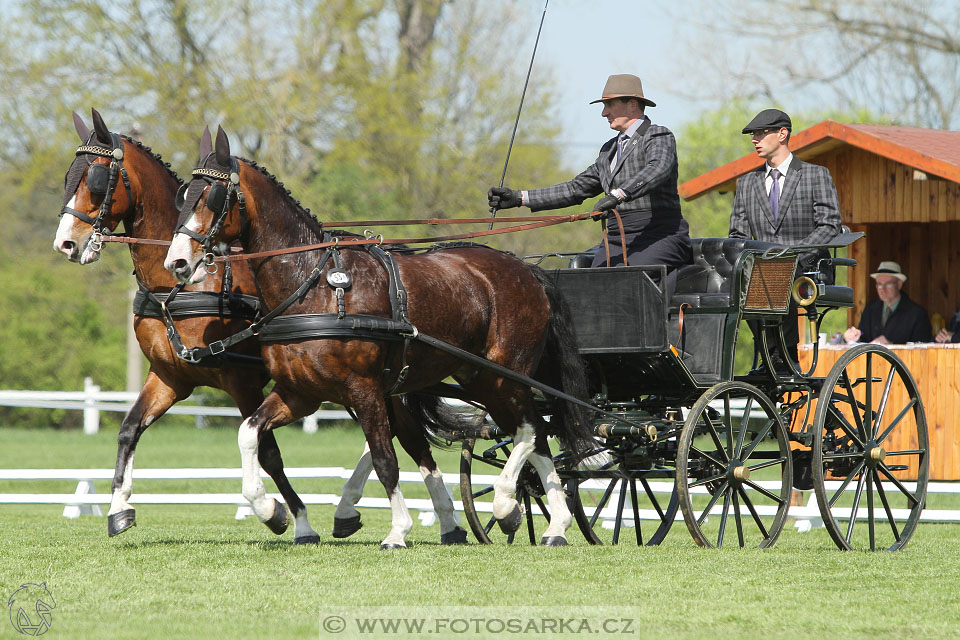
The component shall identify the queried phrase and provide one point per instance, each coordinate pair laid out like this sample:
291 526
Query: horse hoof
511 522
120 521
387 546
278 521
553 541
313 539
457 536
346 527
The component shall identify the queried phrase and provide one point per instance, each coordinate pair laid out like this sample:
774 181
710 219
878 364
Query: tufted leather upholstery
708 282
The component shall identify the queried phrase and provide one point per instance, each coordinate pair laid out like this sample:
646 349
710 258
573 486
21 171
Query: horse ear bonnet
75 173
98 176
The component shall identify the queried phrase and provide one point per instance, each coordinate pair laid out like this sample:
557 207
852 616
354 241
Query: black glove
504 198
606 203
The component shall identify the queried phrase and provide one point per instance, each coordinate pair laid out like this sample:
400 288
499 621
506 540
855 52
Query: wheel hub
741 473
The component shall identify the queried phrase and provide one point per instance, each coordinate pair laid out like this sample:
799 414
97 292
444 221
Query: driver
637 169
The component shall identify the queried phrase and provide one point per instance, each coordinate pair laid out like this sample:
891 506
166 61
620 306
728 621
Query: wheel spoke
753 512
845 425
856 507
878 420
499 464
868 409
886 506
621 500
728 423
843 485
723 517
845 454
704 481
636 511
543 508
712 503
743 425
870 522
489 526
760 436
853 402
906 452
603 501
767 463
482 492
896 421
716 439
753 485
529 518
652 496
716 462
736 518
882 467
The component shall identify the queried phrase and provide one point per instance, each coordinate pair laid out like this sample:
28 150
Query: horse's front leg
153 401
272 413
371 410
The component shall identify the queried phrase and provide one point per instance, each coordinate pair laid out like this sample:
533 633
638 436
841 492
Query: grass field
195 572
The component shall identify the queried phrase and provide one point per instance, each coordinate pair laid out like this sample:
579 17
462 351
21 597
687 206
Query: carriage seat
708 281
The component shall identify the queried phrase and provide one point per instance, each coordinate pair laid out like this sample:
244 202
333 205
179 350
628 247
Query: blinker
98 177
216 197
181 196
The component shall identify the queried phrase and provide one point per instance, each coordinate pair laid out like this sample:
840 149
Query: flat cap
768 119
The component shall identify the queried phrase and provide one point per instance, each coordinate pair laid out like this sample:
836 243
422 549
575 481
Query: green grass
195 572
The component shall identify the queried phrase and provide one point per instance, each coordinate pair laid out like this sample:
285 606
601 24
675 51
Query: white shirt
632 129
768 180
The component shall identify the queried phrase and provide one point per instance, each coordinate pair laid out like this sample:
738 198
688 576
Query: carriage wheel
734 468
608 498
490 456
870 441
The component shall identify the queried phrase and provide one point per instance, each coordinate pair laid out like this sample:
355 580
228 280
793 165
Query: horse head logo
30 609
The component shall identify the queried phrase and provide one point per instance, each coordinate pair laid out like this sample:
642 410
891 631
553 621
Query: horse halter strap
115 170
229 183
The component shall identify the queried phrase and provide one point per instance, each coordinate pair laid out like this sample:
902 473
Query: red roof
933 151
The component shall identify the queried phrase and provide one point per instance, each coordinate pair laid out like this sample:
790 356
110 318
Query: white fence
85 500
92 401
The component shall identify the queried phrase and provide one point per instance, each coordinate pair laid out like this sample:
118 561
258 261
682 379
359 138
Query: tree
901 58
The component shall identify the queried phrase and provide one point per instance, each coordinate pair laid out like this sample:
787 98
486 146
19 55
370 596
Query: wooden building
900 185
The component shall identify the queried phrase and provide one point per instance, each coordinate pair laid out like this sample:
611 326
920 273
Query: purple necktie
775 193
621 145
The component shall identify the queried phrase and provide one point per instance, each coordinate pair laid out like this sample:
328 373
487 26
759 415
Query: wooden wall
913 222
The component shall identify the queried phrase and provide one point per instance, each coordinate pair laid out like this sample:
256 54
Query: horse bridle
223 187
102 180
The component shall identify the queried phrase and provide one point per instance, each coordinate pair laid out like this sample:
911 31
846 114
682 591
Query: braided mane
156 156
286 192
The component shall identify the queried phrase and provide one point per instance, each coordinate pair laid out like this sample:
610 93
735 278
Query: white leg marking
505 488
401 522
353 487
120 500
560 517
442 499
253 490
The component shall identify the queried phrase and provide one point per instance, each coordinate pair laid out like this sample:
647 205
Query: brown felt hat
624 85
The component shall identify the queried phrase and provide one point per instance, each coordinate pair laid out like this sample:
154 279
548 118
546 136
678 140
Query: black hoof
346 527
278 521
511 522
120 521
457 536
392 545
314 539
553 541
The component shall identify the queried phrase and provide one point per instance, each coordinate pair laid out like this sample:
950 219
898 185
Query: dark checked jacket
647 173
809 211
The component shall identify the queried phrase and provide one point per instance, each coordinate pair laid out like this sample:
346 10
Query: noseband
102 181
224 189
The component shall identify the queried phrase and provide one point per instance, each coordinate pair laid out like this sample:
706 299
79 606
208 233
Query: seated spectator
894 318
952 332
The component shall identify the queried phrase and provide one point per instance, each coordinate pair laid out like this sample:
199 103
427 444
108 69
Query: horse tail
440 421
562 367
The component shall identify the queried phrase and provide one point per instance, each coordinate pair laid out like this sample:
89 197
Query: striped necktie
775 193
622 145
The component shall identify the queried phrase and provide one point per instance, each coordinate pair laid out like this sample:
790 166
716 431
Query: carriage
725 450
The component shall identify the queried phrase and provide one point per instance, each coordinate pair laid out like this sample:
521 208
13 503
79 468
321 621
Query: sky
573 46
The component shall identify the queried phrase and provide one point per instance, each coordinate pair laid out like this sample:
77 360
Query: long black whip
503 176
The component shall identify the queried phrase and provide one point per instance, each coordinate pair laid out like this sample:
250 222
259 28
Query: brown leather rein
369 239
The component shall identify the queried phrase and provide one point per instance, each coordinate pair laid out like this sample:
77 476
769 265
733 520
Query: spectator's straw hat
889 268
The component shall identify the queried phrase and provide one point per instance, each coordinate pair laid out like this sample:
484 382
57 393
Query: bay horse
142 197
486 302
153 216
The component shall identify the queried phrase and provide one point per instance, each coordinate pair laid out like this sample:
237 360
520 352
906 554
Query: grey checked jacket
809 210
647 173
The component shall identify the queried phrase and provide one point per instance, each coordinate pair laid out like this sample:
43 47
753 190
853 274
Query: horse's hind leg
346 520
413 441
153 401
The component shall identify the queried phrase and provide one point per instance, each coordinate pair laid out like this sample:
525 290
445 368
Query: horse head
212 211
97 194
